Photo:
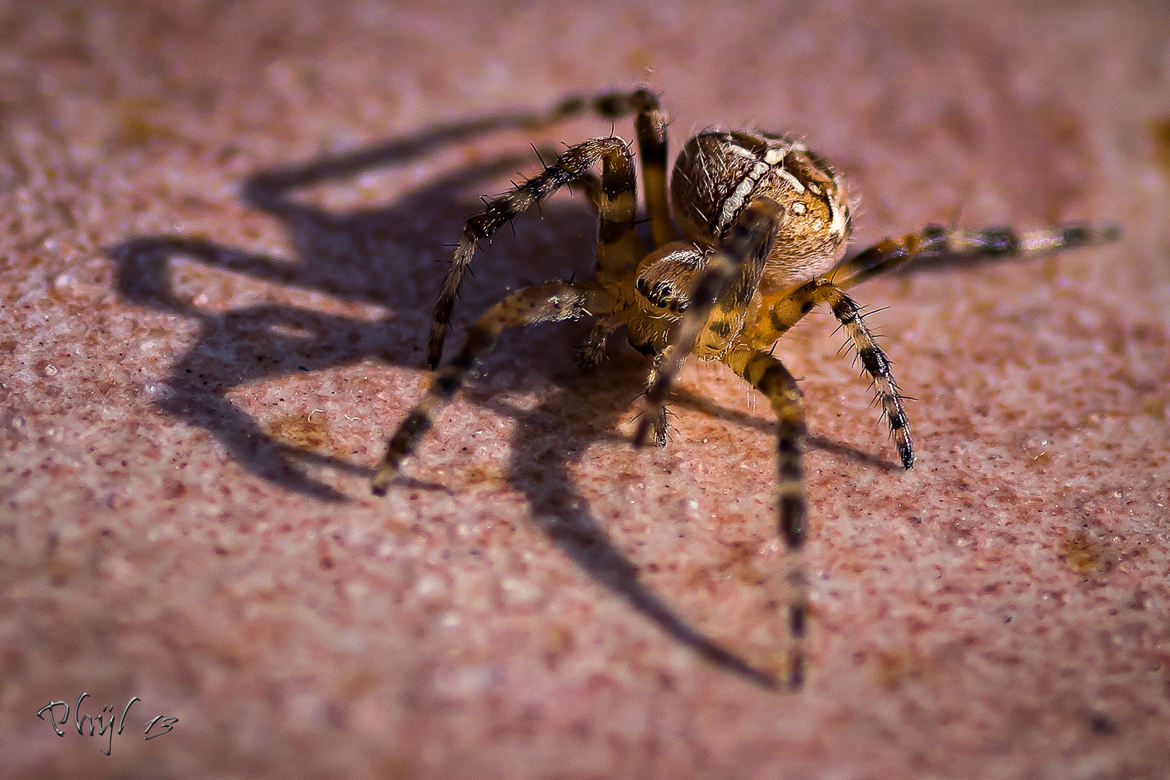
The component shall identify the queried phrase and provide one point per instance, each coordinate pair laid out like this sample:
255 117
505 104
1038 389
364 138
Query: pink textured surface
195 387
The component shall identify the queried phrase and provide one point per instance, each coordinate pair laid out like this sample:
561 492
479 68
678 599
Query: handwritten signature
104 723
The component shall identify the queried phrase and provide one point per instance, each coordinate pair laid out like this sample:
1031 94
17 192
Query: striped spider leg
938 243
618 244
551 302
618 249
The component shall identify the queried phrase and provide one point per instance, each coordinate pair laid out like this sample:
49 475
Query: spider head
663 284
719 173
666 278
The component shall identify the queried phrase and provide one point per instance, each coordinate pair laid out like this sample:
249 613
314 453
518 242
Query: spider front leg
936 242
617 245
552 302
769 376
780 311
714 315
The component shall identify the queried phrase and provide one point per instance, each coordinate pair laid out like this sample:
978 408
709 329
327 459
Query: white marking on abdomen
788 177
734 202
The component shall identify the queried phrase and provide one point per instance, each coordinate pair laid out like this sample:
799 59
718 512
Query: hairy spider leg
781 310
650 128
935 242
769 376
590 184
653 414
650 124
617 244
731 272
592 353
551 302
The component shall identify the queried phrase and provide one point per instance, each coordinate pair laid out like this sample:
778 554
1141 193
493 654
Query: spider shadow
688 398
344 255
581 409
350 257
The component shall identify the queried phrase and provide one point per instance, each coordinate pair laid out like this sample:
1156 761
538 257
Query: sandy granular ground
197 375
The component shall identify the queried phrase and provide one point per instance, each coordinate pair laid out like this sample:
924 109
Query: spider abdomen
719 173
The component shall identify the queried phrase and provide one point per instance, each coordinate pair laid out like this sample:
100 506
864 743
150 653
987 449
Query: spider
764 225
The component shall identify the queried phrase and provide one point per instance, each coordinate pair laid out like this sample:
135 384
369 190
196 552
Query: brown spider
765 223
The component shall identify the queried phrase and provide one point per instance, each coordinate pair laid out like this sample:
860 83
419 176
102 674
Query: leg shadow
353 256
543 477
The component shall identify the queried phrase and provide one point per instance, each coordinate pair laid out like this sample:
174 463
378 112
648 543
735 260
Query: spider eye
662 294
666 278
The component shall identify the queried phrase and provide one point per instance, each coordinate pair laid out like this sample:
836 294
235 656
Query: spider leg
653 413
784 309
591 354
617 244
768 375
551 302
650 126
715 315
611 105
590 184
935 242
618 256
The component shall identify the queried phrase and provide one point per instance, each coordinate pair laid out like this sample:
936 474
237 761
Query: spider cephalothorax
764 226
